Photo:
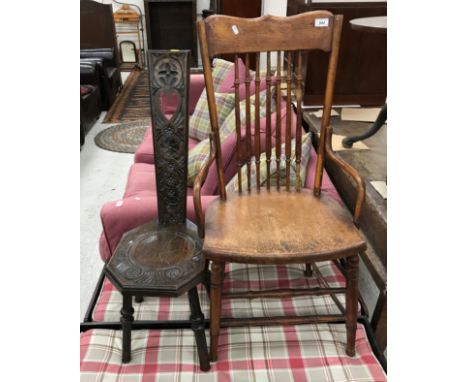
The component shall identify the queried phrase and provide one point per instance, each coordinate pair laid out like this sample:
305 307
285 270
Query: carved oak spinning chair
164 257
276 224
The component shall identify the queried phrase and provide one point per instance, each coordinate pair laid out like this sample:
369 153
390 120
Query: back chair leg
197 321
308 271
217 273
126 319
206 279
352 295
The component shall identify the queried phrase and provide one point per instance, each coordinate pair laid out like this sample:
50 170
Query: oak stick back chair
275 222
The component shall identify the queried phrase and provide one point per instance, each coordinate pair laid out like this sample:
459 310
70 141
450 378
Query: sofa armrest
197 85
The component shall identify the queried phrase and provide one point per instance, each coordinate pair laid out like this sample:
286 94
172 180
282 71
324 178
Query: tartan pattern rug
271 353
241 278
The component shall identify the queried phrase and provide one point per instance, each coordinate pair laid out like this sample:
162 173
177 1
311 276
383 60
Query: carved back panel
169 77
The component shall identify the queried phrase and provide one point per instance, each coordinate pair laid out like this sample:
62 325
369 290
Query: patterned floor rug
123 138
133 102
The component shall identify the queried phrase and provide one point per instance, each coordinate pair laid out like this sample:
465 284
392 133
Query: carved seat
163 257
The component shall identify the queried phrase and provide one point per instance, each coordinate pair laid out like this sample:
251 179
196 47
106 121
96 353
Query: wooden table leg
197 321
126 319
352 294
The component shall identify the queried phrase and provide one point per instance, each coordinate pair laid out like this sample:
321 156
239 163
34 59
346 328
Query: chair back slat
228 34
257 120
268 120
298 76
278 117
288 119
290 39
248 132
239 155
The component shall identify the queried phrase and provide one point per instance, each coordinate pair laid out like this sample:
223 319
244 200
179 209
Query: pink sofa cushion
144 152
123 215
227 86
197 85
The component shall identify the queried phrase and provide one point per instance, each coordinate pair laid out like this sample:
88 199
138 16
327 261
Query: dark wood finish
97 28
240 8
170 24
362 67
163 257
126 320
170 77
197 323
282 225
379 320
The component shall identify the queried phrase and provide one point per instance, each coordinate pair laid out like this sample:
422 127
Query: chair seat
279 227
157 260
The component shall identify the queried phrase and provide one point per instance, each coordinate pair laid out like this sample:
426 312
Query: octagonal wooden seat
158 260
279 227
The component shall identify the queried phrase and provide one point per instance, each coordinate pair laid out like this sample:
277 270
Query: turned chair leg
126 319
308 271
352 295
206 279
217 271
197 321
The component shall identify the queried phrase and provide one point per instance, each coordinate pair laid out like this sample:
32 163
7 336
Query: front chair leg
126 319
197 321
352 295
217 271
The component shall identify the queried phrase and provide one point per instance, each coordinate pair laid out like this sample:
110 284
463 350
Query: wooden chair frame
320 30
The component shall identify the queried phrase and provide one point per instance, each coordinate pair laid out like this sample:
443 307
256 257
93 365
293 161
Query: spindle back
289 38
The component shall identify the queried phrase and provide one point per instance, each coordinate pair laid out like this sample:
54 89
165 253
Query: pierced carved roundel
168 73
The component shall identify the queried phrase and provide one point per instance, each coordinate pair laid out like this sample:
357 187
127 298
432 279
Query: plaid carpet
282 354
277 353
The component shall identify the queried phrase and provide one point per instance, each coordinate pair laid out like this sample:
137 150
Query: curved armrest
197 185
361 186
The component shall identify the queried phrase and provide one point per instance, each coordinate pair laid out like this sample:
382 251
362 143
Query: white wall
201 4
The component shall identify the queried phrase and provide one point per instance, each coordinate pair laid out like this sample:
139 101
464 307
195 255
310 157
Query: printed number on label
321 23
